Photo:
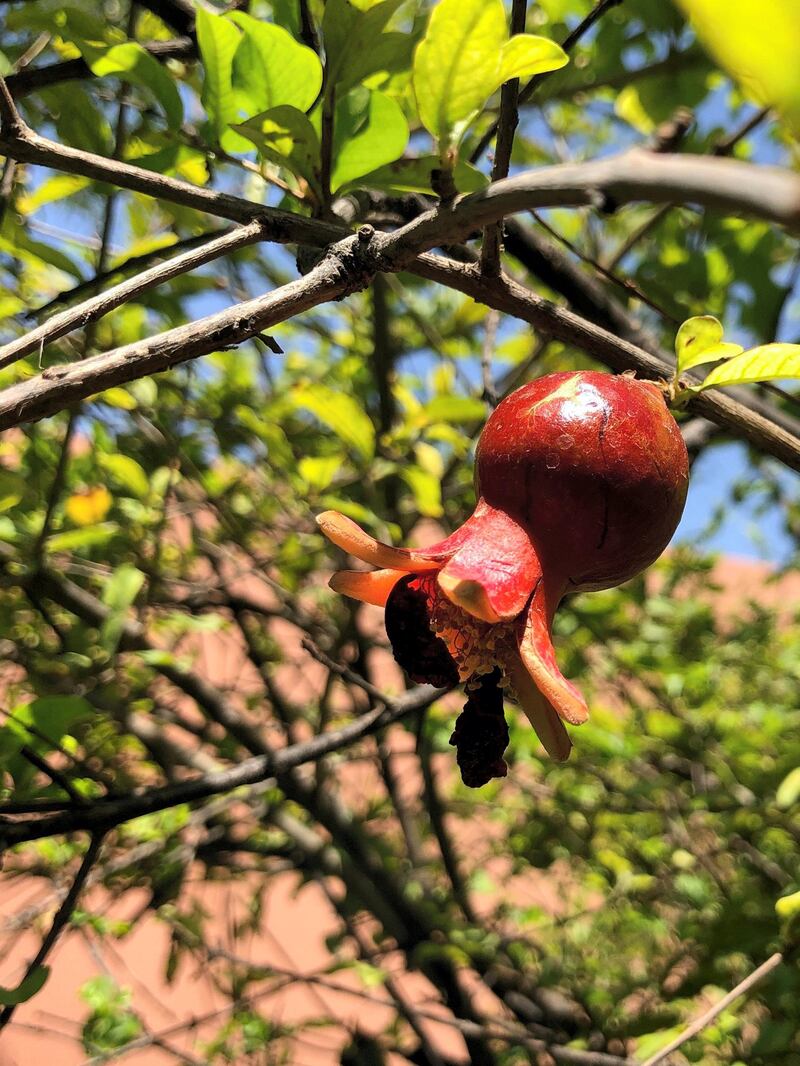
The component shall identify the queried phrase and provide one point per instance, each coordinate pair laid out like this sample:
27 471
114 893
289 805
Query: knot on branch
358 259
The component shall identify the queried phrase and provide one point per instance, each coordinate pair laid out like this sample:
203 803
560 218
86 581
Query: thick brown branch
772 193
60 386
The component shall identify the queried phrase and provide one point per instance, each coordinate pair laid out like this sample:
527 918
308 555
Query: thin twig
61 918
97 306
568 44
506 128
755 978
104 813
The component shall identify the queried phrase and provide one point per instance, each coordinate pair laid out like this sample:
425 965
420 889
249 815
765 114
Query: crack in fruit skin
581 480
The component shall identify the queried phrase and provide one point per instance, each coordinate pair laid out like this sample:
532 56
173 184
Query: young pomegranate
581 480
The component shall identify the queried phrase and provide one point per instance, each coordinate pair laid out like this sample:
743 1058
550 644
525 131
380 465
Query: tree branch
106 813
506 128
93 309
508 296
337 275
756 977
772 193
31 79
62 917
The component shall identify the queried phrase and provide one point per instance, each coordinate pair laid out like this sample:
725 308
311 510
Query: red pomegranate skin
593 467
581 480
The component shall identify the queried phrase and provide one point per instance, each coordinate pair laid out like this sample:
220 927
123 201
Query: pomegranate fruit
581 480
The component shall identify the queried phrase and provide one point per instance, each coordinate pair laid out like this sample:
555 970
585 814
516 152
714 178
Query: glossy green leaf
699 340
454 409
51 716
369 131
789 790
339 412
133 64
350 34
758 43
270 68
127 473
457 65
286 136
414 175
120 591
765 363
427 490
218 40
526 54
26 989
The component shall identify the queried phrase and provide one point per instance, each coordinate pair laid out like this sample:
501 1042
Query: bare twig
61 918
506 127
94 308
103 814
568 44
755 978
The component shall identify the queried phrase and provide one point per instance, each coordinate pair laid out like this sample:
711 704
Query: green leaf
789 790
89 537
131 63
285 136
764 363
389 53
119 593
341 413
457 66
370 130
26 989
319 471
51 716
454 409
757 43
525 55
699 340
127 473
427 490
464 58
350 35
218 39
414 175
788 906
270 68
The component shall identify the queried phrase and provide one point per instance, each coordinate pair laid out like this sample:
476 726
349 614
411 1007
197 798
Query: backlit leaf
339 412
457 65
370 130
284 135
699 340
120 591
218 39
270 68
89 506
526 54
131 63
765 363
758 43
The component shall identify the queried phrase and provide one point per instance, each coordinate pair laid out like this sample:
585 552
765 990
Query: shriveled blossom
581 480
